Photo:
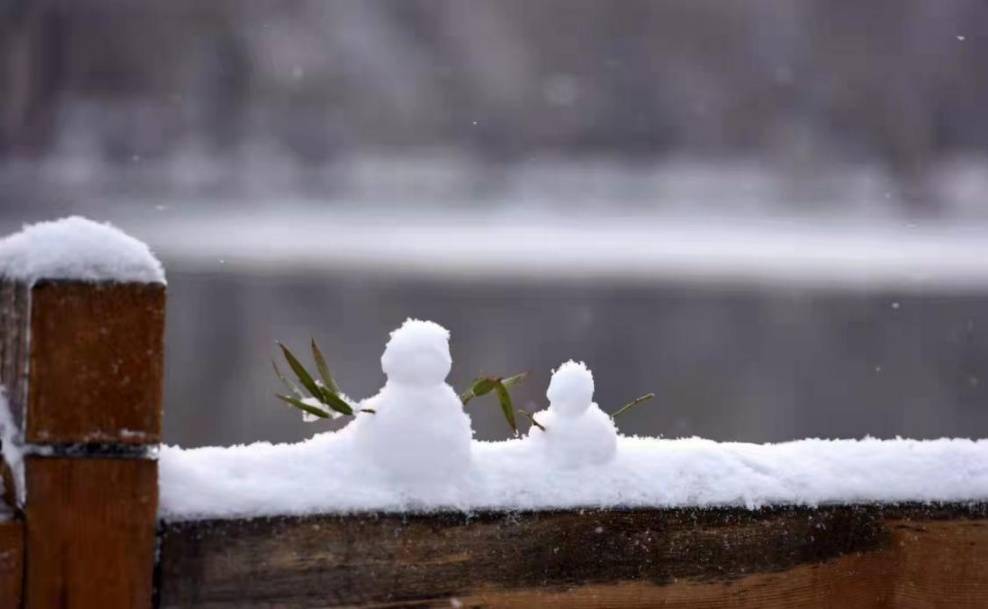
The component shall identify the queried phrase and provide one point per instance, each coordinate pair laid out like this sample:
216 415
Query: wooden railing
82 366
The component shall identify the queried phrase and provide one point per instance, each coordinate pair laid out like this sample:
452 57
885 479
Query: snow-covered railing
679 523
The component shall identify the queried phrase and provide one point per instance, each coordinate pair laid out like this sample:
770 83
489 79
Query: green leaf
370 410
486 384
514 379
323 369
531 418
506 406
303 375
335 402
303 406
288 384
632 404
481 386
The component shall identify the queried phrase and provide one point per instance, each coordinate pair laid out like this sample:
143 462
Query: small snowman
577 432
419 432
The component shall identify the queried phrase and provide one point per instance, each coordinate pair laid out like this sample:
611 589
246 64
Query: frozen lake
745 331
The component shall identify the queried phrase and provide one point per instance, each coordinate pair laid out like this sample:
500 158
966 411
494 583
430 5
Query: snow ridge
320 475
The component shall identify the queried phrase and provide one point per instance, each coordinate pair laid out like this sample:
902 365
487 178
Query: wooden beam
11 563
847 557
82 363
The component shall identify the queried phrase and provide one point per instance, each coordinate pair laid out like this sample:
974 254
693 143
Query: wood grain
846 557
90 533
11 563
15 317
96 363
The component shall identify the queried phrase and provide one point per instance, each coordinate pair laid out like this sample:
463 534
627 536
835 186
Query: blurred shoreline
448 178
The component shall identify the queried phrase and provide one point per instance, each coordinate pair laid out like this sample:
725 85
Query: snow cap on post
571 388
77 249
417 353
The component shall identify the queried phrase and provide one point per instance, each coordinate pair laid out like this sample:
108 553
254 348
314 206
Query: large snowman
419 432
577 431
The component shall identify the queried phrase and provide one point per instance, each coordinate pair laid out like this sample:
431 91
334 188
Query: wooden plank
847 557
11 563
96 363
90 532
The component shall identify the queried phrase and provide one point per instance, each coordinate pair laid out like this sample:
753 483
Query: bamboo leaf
632 404
303 406
323 369
480 386
531 418
303 375
514 379
290 386
483 386
335 402
507 408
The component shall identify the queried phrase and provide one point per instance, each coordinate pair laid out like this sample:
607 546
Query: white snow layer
79 249
321 475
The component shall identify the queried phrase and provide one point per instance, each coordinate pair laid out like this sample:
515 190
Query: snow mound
418 433
577 432
320 475
76 248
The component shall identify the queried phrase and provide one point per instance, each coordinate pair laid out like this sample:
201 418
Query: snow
76 248
577 432
415 453
418 434
322 475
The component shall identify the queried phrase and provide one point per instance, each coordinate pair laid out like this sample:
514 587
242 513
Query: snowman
418 432
577 432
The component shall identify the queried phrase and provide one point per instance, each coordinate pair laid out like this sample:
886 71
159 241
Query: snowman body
418 432
578 433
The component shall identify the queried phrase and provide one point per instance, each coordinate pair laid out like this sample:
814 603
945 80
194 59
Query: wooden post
11 563
82 366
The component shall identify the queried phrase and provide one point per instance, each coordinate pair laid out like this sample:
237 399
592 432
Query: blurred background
772 213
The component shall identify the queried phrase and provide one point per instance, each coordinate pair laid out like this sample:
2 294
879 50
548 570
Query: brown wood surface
95 368
11 563
90 533
844 557
15 316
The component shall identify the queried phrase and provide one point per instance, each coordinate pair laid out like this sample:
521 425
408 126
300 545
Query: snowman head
417 354
570 389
